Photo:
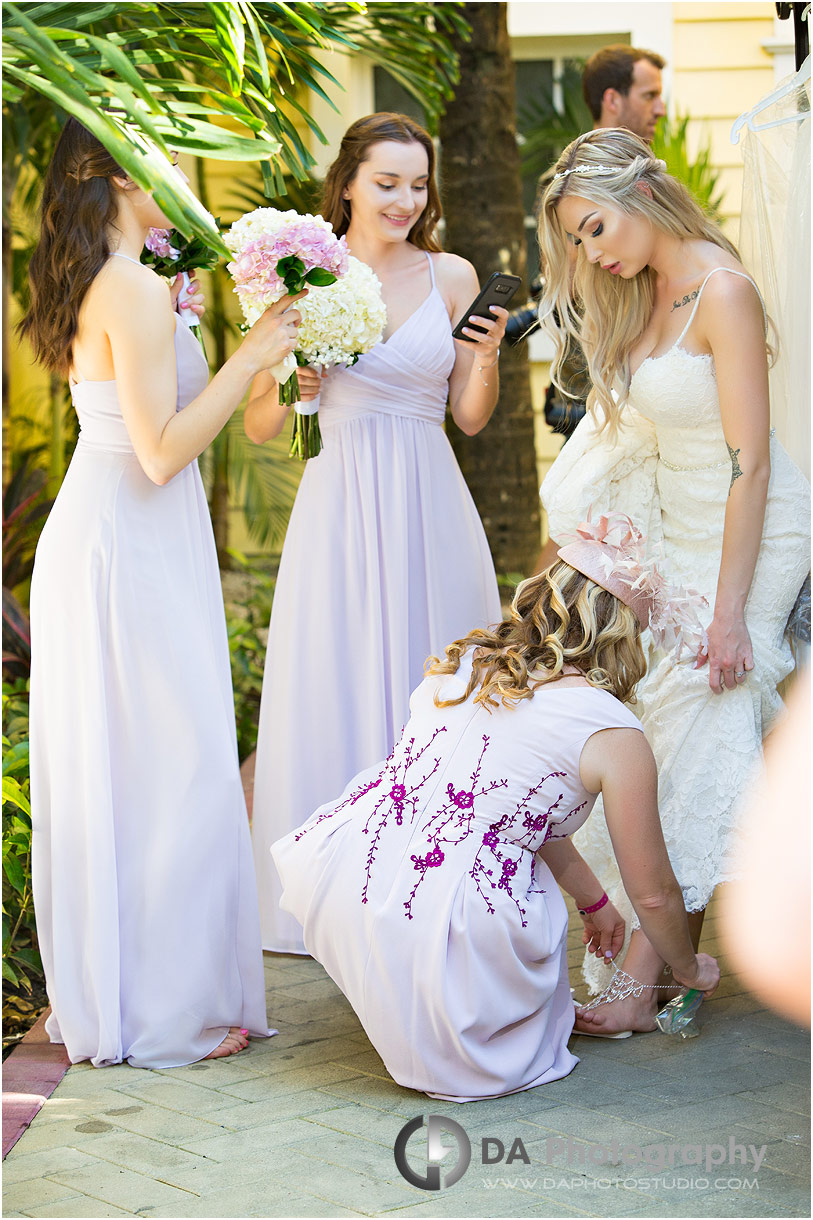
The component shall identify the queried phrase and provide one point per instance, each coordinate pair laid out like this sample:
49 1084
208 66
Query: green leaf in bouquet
319 277
290 265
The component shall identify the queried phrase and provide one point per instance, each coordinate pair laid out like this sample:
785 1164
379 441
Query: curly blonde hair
607 314
558 618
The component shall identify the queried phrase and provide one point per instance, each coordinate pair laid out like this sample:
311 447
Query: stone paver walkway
304 1125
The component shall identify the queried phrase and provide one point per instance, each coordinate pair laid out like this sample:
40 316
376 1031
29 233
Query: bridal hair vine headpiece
596 170
610 551
600 170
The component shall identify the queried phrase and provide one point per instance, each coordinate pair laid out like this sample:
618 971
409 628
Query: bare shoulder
454 274
732 315
616 755
731 289
126 287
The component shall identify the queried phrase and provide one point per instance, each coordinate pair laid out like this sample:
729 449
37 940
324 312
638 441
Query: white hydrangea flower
343 320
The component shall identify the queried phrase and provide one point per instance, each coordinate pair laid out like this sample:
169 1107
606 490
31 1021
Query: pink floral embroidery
354 796
451 823
506 844
494 849
549 832
399 796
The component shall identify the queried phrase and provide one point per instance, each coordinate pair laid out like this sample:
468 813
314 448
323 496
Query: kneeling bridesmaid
429 889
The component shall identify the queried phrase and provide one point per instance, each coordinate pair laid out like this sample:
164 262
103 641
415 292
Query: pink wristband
603 900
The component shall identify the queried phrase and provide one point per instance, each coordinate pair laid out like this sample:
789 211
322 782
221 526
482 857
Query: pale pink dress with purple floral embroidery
420 892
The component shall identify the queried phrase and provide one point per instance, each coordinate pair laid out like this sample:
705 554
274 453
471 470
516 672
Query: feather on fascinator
611 552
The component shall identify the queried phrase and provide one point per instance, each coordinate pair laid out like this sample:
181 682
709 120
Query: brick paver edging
30 1074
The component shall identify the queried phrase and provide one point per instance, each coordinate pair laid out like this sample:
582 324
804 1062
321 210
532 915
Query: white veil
775 246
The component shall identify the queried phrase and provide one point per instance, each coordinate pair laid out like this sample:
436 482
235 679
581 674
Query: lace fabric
707 747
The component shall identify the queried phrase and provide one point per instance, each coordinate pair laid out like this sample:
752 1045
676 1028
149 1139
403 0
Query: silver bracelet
480 367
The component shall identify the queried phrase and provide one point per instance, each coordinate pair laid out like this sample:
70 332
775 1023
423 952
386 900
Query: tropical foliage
20 954
248 591
672 146
219 80
549 121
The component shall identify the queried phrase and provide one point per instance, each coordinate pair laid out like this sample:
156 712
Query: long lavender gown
143 881
385 562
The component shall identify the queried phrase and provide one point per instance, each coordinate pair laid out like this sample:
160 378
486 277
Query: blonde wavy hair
607 314
558 618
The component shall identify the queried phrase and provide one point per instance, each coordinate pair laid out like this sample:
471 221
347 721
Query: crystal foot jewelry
621 987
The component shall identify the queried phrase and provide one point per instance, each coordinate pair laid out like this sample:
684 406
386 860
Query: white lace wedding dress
670 470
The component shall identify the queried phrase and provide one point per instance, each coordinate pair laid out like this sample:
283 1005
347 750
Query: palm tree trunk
484 223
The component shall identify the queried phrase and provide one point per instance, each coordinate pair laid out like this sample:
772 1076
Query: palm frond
698 174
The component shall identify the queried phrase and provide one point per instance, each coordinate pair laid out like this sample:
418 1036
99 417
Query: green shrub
248 593
21 959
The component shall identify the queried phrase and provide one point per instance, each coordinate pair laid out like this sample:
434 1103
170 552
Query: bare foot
612 1018
234 1041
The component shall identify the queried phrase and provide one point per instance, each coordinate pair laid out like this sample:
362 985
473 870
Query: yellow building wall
720 70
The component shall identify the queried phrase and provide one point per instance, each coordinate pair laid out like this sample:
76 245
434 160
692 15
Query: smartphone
498 290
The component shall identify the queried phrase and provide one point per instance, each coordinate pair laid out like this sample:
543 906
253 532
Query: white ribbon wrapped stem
187 314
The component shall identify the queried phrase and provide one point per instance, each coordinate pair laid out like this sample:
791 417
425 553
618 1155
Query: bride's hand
730 656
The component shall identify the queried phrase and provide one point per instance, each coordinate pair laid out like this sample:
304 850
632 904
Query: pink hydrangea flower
157 243
261 238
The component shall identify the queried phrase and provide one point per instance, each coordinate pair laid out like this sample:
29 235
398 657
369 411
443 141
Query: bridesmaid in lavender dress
143 883
385 559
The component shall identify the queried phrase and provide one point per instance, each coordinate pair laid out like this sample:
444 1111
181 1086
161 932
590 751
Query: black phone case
498 289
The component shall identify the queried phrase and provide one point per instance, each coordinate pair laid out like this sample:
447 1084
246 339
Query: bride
677 433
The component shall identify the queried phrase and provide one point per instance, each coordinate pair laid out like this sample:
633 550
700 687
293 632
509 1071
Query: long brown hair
558 618
355 145
78 204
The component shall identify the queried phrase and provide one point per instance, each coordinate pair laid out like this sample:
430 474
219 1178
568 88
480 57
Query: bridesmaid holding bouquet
143 885
385 559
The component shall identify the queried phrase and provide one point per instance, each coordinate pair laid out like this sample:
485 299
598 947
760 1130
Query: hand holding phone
498 290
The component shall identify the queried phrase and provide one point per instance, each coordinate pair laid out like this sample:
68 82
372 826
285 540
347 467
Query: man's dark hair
611 68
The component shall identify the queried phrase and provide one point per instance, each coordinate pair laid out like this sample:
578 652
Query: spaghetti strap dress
384 563
143 881
421 893
671 471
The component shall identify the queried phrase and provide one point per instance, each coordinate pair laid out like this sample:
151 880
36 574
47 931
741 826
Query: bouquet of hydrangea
282 252
170 253
277 253
339 324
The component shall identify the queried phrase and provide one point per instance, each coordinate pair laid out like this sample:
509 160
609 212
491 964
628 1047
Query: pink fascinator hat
611 552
